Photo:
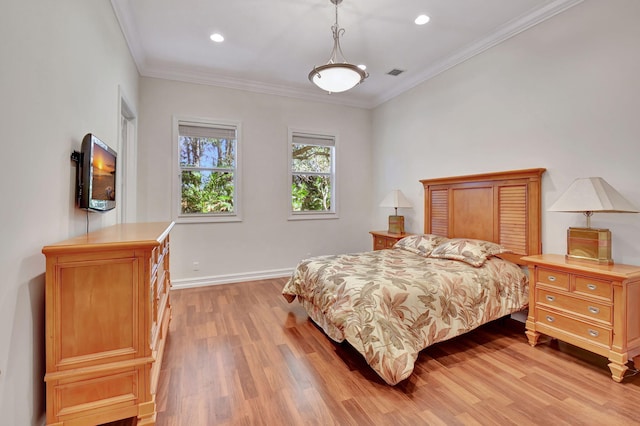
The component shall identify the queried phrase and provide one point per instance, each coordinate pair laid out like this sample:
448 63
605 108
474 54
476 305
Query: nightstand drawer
595 288
553 278
590 305
584 330
383 243
385 240
566 302
379 243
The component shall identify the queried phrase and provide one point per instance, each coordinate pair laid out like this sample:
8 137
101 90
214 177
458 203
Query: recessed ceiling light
217 38
422 19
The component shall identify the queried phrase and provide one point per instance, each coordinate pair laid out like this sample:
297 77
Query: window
312 171
207 175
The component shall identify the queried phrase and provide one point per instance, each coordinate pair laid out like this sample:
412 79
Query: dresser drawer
553 278
566 302
584 330
594 288
106 390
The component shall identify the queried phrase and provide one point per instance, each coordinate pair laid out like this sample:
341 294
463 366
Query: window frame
176 199
312 215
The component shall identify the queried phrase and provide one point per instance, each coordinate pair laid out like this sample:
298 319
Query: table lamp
396 199
588 196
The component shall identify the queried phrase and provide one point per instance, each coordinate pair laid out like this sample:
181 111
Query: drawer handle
592 286
550 318
594 310
593 333
552 278
550 298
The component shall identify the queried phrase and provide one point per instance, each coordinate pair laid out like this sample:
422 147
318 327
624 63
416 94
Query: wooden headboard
503 207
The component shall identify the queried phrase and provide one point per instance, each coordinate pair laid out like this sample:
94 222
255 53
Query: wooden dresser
595 307
107 315
384 240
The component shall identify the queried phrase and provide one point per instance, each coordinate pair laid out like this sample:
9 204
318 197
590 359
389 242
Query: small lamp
589 195
396 199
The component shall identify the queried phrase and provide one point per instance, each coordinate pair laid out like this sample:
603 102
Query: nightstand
592 306
384 240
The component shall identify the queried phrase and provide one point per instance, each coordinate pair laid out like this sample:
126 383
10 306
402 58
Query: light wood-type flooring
239 354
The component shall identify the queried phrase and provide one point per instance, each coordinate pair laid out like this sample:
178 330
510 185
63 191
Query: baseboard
177 284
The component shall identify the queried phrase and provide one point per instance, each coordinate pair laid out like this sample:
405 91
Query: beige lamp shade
395 199
590 195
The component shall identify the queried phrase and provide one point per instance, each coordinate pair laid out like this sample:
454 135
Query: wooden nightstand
384 240
595 307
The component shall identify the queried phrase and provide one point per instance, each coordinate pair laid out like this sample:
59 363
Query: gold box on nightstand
396 224
589 244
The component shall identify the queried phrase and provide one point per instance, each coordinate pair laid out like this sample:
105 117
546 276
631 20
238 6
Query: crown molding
351 99
505 32
207 78
129 31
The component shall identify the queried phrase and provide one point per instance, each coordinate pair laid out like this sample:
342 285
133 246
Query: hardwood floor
239 354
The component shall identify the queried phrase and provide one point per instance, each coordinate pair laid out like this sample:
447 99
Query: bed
464 271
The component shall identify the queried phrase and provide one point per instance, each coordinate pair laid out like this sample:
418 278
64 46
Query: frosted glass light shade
336 78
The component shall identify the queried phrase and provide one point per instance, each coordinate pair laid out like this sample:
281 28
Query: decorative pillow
420 244
473 252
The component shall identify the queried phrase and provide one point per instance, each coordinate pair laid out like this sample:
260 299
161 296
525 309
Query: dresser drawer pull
592 286
593 333
550 298
550 318
551 278
594 310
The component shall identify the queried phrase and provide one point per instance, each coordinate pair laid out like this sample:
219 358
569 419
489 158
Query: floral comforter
390 304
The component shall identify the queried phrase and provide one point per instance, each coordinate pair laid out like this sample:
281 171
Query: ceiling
270 46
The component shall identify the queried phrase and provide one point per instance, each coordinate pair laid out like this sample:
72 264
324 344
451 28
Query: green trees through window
207 174
312 173
208 157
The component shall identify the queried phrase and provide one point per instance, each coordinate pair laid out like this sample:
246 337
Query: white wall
564 95
265 242
61 66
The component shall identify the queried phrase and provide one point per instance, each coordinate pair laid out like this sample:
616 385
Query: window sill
312 216
208 219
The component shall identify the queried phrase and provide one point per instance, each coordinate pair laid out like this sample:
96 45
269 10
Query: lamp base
590 245
396 224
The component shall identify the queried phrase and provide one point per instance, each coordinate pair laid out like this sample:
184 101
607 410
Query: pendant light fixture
334 76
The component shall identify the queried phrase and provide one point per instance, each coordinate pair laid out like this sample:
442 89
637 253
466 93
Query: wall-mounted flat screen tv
97 190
